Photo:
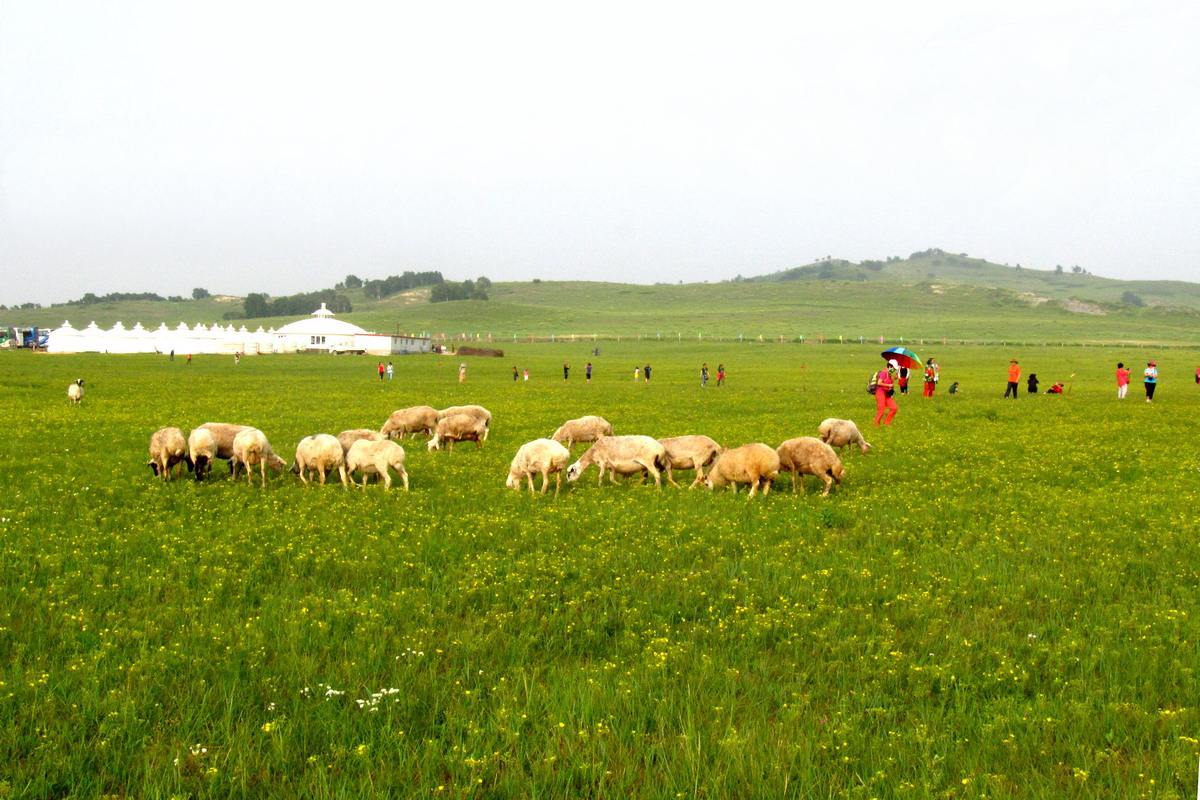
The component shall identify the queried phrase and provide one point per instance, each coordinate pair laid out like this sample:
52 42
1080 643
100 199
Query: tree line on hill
258 304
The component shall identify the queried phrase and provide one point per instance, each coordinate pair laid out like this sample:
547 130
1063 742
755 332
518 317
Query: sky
277 147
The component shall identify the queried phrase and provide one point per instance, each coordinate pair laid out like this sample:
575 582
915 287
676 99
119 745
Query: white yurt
319 332
65 339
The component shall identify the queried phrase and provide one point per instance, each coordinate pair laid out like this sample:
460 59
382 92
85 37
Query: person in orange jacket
885 403
1014 375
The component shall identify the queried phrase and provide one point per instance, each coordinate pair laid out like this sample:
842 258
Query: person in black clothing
646 372
1033 382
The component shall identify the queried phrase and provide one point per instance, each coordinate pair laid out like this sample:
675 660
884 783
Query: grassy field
793 309
1000 601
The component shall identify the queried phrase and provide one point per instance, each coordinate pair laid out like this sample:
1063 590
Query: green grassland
792 309
1000 601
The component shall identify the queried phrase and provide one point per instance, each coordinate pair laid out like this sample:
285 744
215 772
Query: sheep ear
153 467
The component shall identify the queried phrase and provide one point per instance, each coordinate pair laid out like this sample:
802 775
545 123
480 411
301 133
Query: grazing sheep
690 452
223 434
841 432
202 449
458 428
374 458
584 429
807 455
75 392
321 453
414 420
251 448
478 412
168 450
623 455
756 464
542 456
348 438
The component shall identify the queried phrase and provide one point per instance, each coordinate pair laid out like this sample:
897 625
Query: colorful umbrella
902 356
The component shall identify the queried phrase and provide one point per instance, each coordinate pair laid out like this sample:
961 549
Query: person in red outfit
885 403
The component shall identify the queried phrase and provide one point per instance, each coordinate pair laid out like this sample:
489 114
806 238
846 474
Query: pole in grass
1072 383
804 388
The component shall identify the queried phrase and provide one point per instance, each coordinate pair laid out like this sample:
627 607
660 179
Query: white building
319 333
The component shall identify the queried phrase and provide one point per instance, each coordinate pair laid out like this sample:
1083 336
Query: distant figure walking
526 375
1150 377
646 370
1198 376
637 374
1123 380
566 371
237 359
587 371
390 370
933 374
720 374
462 372
703 375
1032 383
515 374
172 355
885 403
380 369
1014 375
189 358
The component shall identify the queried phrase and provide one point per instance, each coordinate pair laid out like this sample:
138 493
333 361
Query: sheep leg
529 479
753 488
671 478
766 486
828 485
387 478
545 480
262 468
364 480
653 470
301 472
601 481
557 482
342 474
699 474
403 475
478 444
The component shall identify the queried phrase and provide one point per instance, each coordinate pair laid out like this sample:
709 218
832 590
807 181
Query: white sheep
414 420
841 432
478 412
541 456
75 392
806 455
250 449
321 453
584 429
374 458
756 464
624 455
458 428
202 449
348 438
223 434
168 450
690 452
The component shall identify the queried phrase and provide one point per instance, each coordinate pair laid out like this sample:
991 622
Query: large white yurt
319 332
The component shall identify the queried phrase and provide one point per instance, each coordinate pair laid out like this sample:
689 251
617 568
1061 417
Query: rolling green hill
933 295
936 266
791 309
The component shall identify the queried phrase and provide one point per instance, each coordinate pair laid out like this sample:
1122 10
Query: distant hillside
936 266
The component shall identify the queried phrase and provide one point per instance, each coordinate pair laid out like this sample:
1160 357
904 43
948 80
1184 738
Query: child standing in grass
1150 376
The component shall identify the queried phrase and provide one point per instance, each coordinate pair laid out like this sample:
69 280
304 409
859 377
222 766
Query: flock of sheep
368 452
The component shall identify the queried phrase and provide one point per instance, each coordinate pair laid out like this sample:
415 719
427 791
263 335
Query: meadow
1000 601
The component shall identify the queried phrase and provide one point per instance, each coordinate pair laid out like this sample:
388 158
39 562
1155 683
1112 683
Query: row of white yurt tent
181 339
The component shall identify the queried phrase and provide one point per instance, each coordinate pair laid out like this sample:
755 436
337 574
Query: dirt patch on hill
937 288
226 298
1033 299
411 297
1080 307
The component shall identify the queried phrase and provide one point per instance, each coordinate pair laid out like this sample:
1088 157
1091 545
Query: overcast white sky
276 147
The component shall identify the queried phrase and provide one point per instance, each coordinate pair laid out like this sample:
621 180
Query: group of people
704 375
389 371
1149 380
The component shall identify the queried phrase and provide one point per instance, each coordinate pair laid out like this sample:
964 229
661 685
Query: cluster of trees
394 284
257 305
116 297
467 290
